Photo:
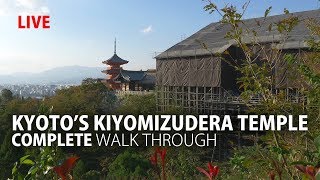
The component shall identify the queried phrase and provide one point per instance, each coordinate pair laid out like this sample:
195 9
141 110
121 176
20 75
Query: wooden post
197 99
189 99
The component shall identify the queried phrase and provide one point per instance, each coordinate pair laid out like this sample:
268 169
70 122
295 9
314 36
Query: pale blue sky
82 31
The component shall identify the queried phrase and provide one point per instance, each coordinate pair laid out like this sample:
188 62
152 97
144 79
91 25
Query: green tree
8 153
79 170
6 95
8 156
91 98
129 164
182 162
137 104
91 175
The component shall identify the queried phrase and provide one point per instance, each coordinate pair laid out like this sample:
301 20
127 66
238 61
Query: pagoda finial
115 45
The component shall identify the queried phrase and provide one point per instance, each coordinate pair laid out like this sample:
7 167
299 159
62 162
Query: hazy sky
83 31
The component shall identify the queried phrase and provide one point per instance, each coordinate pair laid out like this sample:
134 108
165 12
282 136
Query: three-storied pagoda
114 67
127 80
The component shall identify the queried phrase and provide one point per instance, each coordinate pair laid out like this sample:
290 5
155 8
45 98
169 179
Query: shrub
129 164
91 175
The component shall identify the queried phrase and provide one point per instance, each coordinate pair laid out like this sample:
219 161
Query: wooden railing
121 93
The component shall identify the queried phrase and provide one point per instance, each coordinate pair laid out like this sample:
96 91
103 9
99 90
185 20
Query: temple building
127 80
196 74
200 79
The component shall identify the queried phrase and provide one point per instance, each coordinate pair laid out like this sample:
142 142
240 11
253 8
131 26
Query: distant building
127 80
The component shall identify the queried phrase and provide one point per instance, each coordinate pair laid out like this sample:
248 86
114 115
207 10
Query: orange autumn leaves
64 170
310 172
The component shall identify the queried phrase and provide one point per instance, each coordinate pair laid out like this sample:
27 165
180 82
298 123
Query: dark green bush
129 164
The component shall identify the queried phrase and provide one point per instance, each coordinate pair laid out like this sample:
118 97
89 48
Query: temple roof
132 75
146 77
115 59
213 36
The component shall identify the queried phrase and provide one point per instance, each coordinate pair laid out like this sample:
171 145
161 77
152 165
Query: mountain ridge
58 75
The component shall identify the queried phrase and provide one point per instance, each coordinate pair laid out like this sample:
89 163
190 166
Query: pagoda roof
115 59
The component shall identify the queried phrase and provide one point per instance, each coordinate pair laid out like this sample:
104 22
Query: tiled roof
116 59
213 36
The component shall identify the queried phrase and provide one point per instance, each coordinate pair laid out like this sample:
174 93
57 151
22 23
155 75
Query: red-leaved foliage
66 167
212 173
309 171
272 175
162 152
154 161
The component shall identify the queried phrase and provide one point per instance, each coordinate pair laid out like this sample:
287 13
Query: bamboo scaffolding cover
203 71
190 62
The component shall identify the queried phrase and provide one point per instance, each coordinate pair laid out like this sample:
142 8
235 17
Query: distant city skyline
83 32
